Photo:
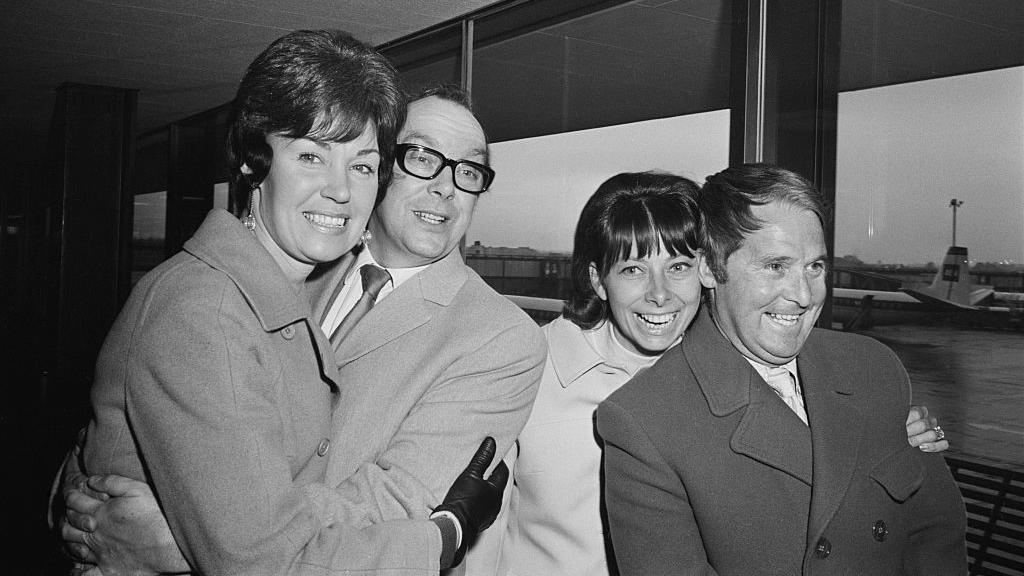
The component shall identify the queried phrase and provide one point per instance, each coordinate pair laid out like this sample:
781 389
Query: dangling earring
249 220
366 237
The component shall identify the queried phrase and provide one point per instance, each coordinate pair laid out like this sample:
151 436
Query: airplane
950 297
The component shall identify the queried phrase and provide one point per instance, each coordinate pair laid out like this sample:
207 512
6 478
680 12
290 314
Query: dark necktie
374 278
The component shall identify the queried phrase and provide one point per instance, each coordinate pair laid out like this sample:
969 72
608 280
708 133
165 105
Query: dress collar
575 352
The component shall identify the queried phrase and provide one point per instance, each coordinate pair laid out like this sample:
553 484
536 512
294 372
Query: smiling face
421 221
651 299
775 287
316 199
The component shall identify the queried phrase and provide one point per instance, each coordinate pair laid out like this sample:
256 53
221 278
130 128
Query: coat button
880 531
288 332
323 447
823 548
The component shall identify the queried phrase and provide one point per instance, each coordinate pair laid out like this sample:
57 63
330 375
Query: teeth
325 220
656 324
787 319
657 319
430 218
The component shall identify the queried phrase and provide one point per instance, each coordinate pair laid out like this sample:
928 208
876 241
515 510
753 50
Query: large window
634 87
931 136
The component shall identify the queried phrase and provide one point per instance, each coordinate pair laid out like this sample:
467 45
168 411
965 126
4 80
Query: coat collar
224 243
409 306
768 431
324 283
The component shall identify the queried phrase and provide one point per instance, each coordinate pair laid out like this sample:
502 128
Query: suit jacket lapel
769 431
836 433
325 282
409 306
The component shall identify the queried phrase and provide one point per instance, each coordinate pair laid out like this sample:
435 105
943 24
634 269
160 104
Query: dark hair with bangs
726 200
645 208
319 84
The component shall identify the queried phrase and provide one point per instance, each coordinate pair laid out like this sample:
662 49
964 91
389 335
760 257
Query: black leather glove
474 501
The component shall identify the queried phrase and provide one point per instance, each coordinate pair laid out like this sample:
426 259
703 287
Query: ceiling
187 56
184 56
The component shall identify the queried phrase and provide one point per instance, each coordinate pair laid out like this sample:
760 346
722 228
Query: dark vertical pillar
90 232
66 256
81 280
785 91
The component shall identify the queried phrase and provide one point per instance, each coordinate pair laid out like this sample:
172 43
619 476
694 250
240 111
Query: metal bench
995 517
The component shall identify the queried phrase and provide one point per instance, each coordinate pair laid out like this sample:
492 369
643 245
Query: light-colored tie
782 382
374 278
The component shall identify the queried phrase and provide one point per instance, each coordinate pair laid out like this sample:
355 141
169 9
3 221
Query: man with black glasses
437 361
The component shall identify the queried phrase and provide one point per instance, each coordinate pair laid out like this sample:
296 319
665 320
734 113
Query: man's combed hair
452 93
645 209
319 84
726 200
447 91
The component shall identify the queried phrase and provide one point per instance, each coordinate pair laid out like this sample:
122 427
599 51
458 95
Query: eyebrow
326 145
475 152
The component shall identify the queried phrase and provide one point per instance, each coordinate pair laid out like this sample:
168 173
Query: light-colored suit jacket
709 472
433 368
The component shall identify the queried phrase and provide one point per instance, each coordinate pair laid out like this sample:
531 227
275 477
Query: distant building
522 271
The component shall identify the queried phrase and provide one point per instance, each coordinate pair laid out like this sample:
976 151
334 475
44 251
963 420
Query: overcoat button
823 548
288 332
323 447
880 531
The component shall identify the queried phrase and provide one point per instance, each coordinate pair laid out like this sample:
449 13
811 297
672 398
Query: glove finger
499 477
482 459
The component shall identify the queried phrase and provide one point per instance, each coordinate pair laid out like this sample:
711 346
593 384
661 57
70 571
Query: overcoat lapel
409 306
325 282
836 434
769 431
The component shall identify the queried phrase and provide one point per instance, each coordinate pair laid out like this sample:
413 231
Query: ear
245 169
596 283
707 278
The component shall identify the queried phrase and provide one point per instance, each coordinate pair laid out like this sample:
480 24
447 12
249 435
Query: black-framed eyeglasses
426 163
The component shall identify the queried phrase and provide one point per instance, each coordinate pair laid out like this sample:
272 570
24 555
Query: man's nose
799 289
444 183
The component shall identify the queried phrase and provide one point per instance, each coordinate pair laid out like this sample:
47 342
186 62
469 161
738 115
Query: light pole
954 204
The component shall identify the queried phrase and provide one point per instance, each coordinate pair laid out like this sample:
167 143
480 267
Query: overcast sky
903 152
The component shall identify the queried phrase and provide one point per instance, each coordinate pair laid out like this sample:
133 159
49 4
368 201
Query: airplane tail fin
952 282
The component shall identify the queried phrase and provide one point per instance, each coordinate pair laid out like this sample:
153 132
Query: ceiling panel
184 56
187 56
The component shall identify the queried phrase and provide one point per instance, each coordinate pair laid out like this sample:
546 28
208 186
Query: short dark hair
726 200
455 94
447 91
319 84
645 208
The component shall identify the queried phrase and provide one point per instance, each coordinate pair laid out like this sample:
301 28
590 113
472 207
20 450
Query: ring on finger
939 433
